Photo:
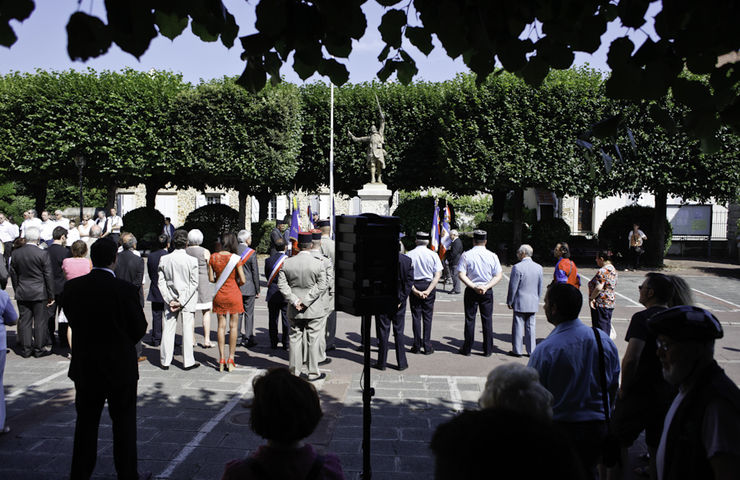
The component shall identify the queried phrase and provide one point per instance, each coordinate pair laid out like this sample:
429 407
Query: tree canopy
528 38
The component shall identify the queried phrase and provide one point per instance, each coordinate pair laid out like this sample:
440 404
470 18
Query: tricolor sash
276 268
246 254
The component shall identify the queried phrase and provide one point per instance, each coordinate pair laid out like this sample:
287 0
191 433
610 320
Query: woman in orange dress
228 299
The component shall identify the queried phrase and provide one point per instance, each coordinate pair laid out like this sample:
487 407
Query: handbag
611 450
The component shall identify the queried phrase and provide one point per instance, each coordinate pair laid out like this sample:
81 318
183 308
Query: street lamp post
80 163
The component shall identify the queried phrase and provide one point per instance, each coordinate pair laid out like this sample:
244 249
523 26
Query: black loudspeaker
366 270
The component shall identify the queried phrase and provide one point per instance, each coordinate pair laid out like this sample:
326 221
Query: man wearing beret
302 282
479 269
427 272
701 432
328 249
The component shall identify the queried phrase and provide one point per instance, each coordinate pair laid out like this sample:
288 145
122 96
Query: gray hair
525 250
518 388
32 212
33 234
454 232
96 231
130 242
243 236
195 237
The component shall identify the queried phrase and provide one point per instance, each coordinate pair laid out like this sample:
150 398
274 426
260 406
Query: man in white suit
178 284
525 288
302 281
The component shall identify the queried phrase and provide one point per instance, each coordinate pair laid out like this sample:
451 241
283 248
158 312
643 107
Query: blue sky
42 44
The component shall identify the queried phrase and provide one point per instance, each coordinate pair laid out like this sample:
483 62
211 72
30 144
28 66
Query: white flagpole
331 158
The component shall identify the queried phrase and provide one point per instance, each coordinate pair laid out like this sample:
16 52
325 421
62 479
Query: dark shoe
43 353
429 351
487 354
315 379
330 348
414 350
192 367
165 367
142 359
273 346
251 343
511 353
325 361
401 369
378 366
464 352
5 430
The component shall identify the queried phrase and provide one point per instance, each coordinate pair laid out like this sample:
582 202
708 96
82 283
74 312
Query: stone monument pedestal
374 198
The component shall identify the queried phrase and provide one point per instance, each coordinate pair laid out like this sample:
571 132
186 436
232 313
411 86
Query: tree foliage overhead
527 37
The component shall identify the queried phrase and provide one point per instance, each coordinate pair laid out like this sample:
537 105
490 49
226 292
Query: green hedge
614 232
213 220
545 234
146 224
500 235
261 235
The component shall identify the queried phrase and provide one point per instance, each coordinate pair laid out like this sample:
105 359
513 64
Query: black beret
323 223
480 235
686 322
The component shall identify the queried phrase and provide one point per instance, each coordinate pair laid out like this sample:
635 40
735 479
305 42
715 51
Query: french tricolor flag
445 239
434 234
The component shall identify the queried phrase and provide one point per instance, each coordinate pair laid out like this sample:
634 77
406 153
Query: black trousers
382 330
157 313
33 327
601 318
89 401
422 310
277 307
474 302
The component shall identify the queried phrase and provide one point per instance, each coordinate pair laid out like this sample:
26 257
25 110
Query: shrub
213 220
546 233
416 215
145 223
614 232
500 235
261 235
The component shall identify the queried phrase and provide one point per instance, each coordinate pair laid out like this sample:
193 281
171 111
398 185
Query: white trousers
169 328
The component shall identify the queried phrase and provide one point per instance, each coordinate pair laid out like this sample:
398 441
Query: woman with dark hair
285 411
601 293
224 269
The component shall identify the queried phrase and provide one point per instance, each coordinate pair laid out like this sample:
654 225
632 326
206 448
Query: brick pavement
191 423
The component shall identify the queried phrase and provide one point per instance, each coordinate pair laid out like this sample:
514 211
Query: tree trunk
499 202
243 208
110 198
517 216
152 188
264 200
39 191
658 230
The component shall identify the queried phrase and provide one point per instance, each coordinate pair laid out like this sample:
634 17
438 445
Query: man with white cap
479 270
701 432
427 272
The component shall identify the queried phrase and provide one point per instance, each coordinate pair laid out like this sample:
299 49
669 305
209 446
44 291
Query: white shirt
63 222
426 263
31 222
72 235
115 223
660 457
8 231
479 264
47 229
640 237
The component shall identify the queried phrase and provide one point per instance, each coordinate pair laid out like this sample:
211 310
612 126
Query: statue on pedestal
375 151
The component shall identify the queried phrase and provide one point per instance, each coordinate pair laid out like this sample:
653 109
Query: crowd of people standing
570 390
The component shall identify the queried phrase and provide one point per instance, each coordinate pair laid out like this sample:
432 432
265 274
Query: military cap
305 237
480 235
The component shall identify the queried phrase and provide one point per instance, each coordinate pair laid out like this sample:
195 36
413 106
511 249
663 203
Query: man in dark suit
453 259
130 267
251 288
383 321
33 284
276 305
155 296
277 234
103 365
168 230
57 253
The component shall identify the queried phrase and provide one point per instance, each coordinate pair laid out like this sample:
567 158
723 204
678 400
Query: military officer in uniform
302 281
479 269
327 248
327 298
427 272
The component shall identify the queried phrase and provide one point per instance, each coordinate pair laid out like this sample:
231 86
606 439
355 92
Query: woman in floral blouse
601 292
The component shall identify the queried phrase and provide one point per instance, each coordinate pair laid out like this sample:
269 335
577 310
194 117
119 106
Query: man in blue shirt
479 269
568 364
427 272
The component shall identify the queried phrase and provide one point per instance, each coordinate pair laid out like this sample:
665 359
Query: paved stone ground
191 423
